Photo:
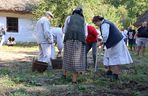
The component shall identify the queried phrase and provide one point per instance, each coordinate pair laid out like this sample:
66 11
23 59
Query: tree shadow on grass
19 72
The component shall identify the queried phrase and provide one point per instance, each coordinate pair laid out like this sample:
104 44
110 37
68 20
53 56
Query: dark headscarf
78 11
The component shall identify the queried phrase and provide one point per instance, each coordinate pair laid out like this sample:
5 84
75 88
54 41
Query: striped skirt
74 56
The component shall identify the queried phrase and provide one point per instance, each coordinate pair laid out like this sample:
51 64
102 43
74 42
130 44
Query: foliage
60 9
133 7
122 12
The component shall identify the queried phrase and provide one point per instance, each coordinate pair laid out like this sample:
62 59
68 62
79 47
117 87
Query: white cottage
17 17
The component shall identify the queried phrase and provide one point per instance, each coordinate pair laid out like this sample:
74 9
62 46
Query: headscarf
78 11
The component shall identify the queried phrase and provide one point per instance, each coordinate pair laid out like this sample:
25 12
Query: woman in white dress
116 52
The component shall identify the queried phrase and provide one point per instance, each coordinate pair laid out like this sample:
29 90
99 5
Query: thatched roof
141 19
17 5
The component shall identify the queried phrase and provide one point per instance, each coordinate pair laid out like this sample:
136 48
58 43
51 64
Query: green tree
60 8
122 12
134 8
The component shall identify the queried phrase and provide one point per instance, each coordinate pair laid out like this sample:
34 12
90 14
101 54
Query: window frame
12 24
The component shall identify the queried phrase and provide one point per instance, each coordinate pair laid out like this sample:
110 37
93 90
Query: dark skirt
74 56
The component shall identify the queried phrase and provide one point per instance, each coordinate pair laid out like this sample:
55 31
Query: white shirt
124 33
68 20
43 32
99 36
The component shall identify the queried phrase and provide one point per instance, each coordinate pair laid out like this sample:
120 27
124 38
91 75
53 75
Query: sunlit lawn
17 79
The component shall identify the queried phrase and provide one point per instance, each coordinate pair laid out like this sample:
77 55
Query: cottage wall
25 26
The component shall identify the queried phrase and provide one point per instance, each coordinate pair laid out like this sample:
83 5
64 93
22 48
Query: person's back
40 30
142 38
56 31
91 43
58 36
75 29
143 32
92 34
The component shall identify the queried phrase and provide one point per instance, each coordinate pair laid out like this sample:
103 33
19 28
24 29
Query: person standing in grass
3 31
116 52
91 42
131 39
124 33
142 38
44 38
75 30
58 40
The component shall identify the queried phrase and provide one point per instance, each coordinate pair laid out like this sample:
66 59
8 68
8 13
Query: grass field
17 79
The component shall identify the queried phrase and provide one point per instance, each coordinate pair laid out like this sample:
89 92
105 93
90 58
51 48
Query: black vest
115 36
75 29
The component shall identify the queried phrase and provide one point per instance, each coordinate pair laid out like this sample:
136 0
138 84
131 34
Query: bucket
39 66
57 63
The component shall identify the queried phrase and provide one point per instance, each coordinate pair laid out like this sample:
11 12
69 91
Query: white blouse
105 31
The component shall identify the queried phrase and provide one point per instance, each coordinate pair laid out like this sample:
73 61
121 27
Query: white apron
117 55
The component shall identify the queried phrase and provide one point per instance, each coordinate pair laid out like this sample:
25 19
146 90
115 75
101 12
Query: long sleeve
60 42
60 39
47 31
99 34
105 31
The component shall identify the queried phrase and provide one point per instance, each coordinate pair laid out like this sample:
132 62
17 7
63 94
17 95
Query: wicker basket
39 66
57 63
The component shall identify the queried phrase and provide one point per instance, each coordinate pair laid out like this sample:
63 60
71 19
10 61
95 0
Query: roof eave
17 11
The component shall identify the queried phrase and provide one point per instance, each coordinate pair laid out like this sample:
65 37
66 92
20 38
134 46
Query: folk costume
74 43
75 30
44 38
116 52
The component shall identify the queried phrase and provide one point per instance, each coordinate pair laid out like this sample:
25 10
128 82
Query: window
12 24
